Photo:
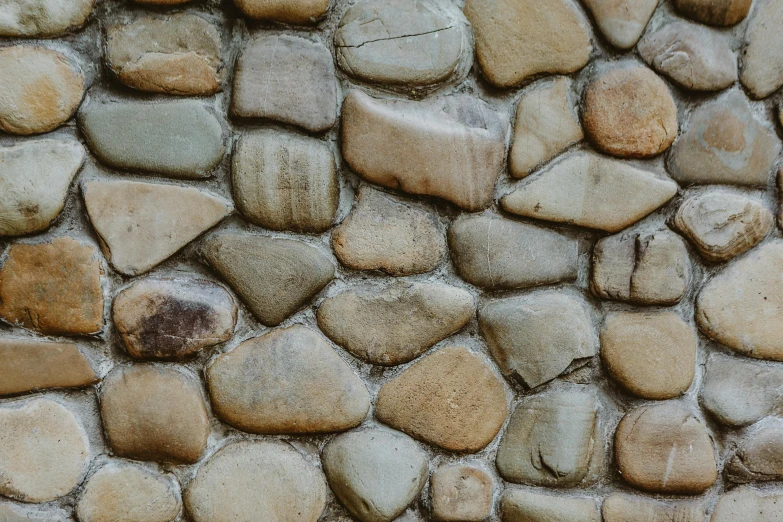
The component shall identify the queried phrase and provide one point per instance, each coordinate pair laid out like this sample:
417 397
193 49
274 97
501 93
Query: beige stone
161 2
759 457
622 22
303 12
461 493
715 12
12 512
749 505
32 365
623 508
43 18
761 69
526 506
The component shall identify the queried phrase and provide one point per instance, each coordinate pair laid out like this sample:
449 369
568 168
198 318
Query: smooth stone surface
173 318
452 398
592 191
715 12
526 506
282 181
620 507
12 512
30 365
43 18
749 505
759 457
762 57
34 181
461 493
274 277
286 79
303 12
394 323
451 147
622 22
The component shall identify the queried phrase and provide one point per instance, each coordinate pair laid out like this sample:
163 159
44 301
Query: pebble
262 270
461 493
759 457
11 512
302 12
173 318
452 398
590 190
762 57
622 23
395 323
496 253
715 12
283 181
384 233
286 79
34 183
43 18
154 413
517 505
749 505
53 287
376 473
664 449
30 365
256 480
451 147
620 507
45 451
518 39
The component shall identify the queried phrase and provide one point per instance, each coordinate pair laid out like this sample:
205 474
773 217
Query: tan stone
526 506
303 12
759 457
461 493
622 22
623 508
749 505
12 512
31 365
715 12
161 2
43 18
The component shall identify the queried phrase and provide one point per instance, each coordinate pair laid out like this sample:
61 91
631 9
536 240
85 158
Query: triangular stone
622 23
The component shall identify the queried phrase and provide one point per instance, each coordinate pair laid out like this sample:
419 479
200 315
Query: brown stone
526 506
624 508
622 22
161 2
461 493
715 12
303 12
759 457
29 365
749 505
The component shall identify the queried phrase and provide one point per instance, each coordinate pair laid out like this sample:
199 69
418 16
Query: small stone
302 12
749 505
724 143
34 182
375 473
452 398
275 277
546 123
536 337
43 18
41 89
526 506
32 365
622 22
161 2
45 451
396 323
517 39
461 493
383 233
553 440
282 181
664 449
451 147
129 493
590 190
629 112
762 56
11 512
759 457
287 79
496 253
623 508
256 480
54 287
175 54
715 12
173 318
723 225
154 413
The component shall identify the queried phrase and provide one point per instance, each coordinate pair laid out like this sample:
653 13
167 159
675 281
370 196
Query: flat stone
287 79
175 54
274 277
521 38
154 413
762 56
622 508
536 337
724 143
30 365
553 439
695 57
723 225
749 505
395 323
759 457
376 473
403 42
452 398
282 181
644 268
129 492
715 12
451 147
227 488
461 493
623 22
45 451
181 139
54 287
12 512
546 123
650 354
173 318
740 308
287 381
302 12
43 18
496 253
384 233
34 183
629 111
41 89
526 506
590 190
663 448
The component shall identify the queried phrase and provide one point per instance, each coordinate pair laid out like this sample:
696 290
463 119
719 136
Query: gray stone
762 56
303 12
622 22
11 512
759 457
749 505
623 508
715 12
526 506
461 493
43 18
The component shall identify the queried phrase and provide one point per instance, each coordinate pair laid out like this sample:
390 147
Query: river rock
749 505
759 457
762 56
517 505
620 507
303 12
31 365
43 18
622 23
461 493
13 512
715 12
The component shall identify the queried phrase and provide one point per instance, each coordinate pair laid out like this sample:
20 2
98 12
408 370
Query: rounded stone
762 56
715 12
43 18
620 507
622 22
461 493
303 12
527 506
749 505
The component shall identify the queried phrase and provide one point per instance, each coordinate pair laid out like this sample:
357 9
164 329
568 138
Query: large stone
34 181
256 480
452 398
461 493
287 79
623 508
759 457
305 12
30 365
53 287
13 512
275 277
622 22
173 318
526 506
749 505
43 18
451 147
715 12
396 323
592 191
762 57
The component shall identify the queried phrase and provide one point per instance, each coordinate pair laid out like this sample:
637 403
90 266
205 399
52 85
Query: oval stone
303 12
43 18
749 505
